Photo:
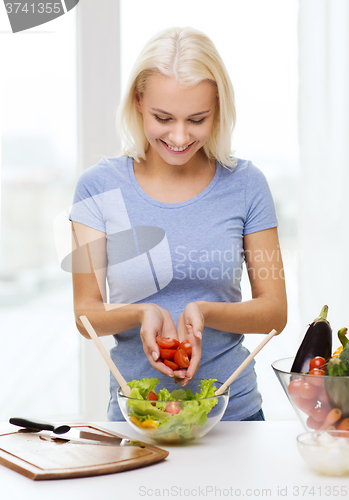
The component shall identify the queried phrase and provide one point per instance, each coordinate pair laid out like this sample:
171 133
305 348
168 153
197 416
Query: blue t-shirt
175 253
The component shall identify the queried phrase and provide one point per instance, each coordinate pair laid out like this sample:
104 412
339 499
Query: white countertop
236 459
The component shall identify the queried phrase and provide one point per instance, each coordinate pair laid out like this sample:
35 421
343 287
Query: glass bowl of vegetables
326 452
161 410
320 401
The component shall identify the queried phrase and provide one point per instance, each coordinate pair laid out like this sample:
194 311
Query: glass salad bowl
180 414
320 402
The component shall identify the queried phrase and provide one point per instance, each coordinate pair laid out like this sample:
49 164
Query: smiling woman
182 177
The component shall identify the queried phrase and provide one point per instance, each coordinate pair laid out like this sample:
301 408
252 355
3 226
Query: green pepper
337 381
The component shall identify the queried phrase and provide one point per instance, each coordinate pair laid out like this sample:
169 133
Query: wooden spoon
125 388
245 363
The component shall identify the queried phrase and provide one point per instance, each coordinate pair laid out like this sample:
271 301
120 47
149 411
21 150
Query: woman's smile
175 149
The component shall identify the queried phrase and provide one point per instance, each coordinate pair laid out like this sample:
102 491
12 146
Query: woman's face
177 120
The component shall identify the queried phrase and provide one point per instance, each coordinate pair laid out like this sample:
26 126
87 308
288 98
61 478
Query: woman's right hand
157 321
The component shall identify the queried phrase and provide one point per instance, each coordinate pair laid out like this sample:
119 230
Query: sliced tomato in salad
167 342
152 397
173 408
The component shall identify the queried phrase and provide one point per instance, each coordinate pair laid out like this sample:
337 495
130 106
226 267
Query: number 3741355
33 8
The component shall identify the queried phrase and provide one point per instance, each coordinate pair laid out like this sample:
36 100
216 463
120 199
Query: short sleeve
87 205
260 208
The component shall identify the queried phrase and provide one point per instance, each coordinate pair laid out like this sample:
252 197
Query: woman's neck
174 183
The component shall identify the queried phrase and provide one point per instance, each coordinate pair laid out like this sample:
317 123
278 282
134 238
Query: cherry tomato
317 371
297 400
186 345
312 423
307 391
322 396
306 405
173 408
319 414
181 358
317 362
167 342
318 381
167 353
294 386
171 364
152 397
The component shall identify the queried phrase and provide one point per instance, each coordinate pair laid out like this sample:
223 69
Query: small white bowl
326 452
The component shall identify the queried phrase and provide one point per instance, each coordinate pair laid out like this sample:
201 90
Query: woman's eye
161 120
165 120
198 121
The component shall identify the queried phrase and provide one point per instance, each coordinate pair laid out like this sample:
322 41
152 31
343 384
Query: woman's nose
179 135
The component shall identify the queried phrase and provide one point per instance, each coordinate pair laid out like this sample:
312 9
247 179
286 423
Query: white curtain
324 158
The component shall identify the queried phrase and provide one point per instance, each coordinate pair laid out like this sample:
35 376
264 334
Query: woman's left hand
190 326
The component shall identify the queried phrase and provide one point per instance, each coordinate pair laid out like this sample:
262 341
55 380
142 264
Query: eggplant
316 342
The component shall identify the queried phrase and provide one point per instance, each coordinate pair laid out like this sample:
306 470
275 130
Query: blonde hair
191 57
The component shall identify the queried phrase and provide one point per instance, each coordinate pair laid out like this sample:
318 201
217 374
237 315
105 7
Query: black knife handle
29 424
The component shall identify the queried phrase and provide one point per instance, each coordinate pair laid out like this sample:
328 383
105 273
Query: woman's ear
138 101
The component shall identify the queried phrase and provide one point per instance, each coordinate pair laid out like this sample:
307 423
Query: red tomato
186 345
318 381
171 364
152 397
173 408
323 396
307 391
317 362
294 386
319 414
297 400
317 371
312 423
181 358
167 342
306 405
167 353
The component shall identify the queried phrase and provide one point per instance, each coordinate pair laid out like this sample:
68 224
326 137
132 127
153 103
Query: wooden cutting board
40 457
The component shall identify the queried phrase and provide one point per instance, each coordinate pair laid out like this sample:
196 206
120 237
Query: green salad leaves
191 414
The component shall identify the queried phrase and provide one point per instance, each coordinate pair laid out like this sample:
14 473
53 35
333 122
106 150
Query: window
40 351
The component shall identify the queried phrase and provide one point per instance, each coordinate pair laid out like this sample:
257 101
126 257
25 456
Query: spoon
243 365
90 330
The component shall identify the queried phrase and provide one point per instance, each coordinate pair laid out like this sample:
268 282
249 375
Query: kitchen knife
72 435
